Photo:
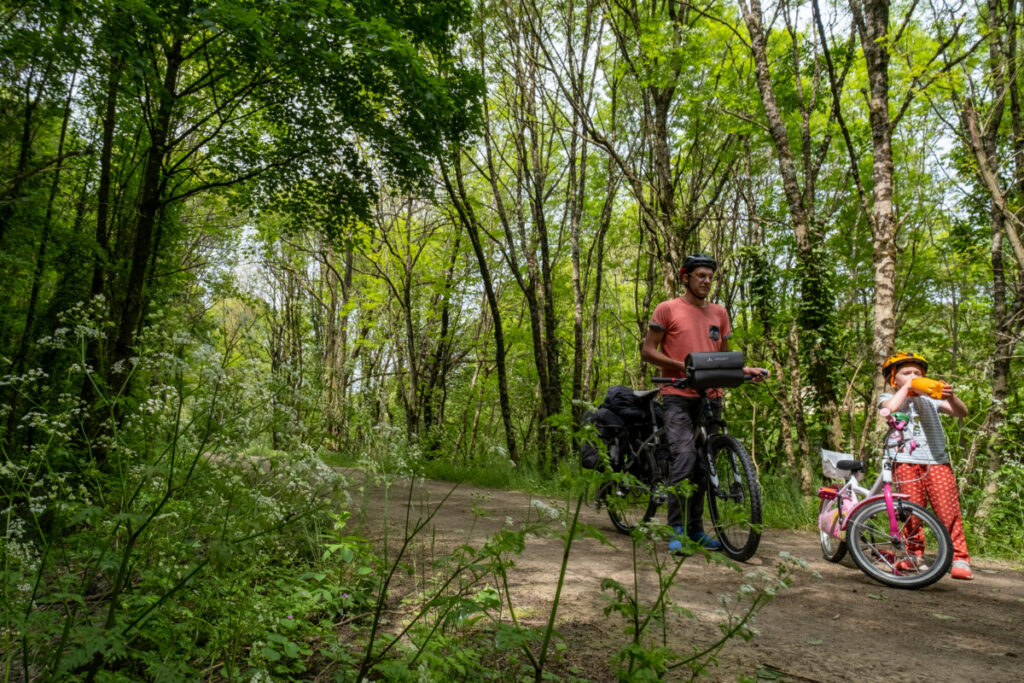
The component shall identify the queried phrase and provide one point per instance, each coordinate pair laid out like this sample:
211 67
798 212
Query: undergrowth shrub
1002 529
168 557
188 554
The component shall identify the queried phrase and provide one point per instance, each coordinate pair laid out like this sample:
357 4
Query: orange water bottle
928 387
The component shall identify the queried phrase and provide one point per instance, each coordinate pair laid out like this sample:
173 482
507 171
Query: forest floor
833 623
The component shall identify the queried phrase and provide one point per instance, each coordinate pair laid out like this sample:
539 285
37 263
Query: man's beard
696 295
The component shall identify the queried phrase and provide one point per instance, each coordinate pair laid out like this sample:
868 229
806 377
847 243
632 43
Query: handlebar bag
715 369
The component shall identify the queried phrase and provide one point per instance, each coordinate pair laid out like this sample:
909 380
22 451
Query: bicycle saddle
852 465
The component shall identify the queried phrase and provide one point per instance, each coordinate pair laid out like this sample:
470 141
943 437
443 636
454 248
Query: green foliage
650 653
115 561
304 294
785 505
1001 527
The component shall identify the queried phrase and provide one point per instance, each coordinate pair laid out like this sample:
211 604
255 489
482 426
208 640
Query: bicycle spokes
735 493
916 556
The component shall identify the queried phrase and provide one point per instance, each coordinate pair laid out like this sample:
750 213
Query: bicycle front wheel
629 497
918 556
734 497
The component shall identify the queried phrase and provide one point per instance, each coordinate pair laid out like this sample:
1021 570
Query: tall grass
785 505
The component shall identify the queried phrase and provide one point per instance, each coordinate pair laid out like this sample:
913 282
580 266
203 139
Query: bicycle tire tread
746 550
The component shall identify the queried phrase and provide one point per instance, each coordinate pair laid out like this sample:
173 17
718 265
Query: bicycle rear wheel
734 501
832 549
629 497
918 557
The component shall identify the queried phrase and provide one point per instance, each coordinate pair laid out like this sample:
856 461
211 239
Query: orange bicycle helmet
893 363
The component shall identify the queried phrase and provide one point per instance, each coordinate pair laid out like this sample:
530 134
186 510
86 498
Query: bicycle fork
705 452
894 532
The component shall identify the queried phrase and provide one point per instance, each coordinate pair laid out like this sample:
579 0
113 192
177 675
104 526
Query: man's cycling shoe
704 541
675 546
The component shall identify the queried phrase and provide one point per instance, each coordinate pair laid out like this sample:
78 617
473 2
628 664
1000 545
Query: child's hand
947 391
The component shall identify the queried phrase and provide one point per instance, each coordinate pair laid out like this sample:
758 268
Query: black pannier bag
715 370
609 428
622 422
634 412
590 455
624 403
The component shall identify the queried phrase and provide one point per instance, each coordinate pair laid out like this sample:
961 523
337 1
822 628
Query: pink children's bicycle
892 540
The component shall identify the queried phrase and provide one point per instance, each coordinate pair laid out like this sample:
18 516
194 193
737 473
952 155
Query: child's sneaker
961 570
886 557
911 564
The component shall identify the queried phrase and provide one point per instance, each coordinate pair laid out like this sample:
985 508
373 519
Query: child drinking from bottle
924 472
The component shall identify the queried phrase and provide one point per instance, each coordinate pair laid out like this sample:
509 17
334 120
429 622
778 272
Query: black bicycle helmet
697 261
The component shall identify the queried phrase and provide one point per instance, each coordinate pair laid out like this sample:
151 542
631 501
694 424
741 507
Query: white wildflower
544 508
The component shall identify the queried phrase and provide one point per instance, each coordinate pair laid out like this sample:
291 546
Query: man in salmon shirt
679 327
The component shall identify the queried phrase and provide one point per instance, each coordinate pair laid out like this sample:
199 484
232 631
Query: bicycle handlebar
684 382
897 423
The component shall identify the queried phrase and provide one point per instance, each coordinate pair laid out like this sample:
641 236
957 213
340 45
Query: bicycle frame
882 487
706 420
641 485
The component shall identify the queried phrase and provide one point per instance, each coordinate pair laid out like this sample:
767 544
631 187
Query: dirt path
833 623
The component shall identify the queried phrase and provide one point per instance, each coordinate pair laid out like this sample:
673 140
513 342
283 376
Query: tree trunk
871 17
468 219
817 303
435 375
591 378
27 334
148 210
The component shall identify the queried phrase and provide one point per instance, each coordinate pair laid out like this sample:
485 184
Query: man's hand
756 374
